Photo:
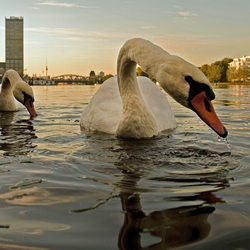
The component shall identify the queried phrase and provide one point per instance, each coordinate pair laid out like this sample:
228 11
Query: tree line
217 71
220 71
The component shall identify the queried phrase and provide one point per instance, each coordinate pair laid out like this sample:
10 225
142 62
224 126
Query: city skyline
79 36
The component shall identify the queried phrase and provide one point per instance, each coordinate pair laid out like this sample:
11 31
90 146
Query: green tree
209 70
224 66
238 75
243 73
232 74
140 72
214 73
204 68
246 73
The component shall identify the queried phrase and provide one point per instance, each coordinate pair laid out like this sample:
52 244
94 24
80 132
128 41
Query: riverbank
231 83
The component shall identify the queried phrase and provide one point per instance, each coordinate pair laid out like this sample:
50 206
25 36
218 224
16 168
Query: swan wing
7 101
157 103
104 111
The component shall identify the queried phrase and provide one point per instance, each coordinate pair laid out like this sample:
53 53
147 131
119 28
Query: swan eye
28 97
197 87
188 79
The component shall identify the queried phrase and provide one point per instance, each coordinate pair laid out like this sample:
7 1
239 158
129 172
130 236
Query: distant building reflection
16 136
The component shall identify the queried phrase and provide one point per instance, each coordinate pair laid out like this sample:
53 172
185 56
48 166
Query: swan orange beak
30 107
205 110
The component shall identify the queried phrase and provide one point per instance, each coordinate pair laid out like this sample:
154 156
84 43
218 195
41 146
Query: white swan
134 107
13 86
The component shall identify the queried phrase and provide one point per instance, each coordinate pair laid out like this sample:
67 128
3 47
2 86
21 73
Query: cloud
66 5
113 40
76 33
182 15
186 14
34 8
148 27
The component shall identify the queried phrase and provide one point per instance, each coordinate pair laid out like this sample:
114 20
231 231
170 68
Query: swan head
21 90
190 87
24 94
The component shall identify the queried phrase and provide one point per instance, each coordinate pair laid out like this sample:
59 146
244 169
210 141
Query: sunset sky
77 36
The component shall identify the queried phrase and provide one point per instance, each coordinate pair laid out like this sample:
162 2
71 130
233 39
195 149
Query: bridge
71 78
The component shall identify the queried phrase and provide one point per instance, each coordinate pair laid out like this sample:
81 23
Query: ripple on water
156 161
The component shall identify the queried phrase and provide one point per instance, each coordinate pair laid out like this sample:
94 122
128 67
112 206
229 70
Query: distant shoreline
231 83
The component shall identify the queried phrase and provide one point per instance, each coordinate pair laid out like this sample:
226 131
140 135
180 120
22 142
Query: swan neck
144 53
137 120
9 81
136 51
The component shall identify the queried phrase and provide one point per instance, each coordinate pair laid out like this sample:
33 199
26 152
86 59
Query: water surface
63 188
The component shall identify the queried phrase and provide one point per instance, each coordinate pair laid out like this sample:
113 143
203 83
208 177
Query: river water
63 188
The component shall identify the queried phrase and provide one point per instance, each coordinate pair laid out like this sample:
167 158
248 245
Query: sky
77 36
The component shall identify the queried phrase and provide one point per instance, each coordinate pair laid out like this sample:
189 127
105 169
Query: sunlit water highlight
63 188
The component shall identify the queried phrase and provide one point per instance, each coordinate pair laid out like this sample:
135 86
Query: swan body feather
105 110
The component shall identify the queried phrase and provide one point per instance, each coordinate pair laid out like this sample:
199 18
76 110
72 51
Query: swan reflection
163 228
173 227
148 167
16 136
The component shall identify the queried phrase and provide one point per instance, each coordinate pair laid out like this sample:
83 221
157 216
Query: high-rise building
2 68
14 43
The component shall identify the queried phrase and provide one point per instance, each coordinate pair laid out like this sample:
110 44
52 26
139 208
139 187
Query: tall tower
14 43
46 68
